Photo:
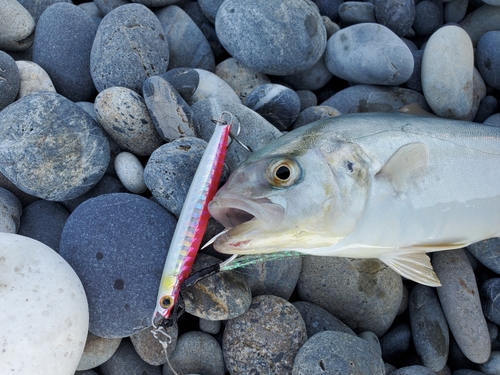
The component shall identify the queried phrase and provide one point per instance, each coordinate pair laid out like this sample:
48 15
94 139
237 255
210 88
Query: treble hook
221 121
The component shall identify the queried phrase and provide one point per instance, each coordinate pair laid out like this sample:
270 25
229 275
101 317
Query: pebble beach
106 108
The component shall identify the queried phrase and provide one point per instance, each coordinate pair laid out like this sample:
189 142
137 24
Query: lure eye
283 173
166 302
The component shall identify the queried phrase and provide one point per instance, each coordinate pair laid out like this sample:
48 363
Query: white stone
212 86
447 72
44 315
33 78
130 172
16 25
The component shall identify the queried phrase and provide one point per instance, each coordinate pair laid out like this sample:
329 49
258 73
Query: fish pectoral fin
415 266
404 166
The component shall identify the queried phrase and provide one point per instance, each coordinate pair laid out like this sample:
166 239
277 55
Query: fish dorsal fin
405 166
416 110
414 266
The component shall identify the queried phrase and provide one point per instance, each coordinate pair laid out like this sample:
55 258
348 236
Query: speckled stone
354 12
15 36
315 113
480 21
150 348
23 197
10 212
124 116
130 172
122 285
33 78
366 296
171 115
210 326
184 80
413 370
397 15
466 319
428 18
487 251
10 80
50 147
265 339
395 342
337 353
130 46
62 44
239 26
126 360
97 351
212 86
196 353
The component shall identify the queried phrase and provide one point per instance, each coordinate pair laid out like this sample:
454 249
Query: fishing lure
192 221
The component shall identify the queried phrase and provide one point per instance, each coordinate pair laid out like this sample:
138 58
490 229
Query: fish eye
166 302
283 173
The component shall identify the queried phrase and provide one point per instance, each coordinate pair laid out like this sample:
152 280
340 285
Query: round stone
10 80
296 42
492 366
397 15
354 12
36 8
15 36
413 370
184 81
150 347
487 107
312 79
130 172
307 99
395 342
488 251
210 8
33 78
488 58
373 340
455 11
415 80
10 212
428 18
491 305
122 285
50 147
315 113
52 334
130 46
212 86
97 351
480 21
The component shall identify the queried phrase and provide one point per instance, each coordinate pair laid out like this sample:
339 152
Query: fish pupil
283 173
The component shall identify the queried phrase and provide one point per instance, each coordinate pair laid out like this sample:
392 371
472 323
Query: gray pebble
124 116
467 372
188 47
70 161
10 212
210 8
212 86
478 93
150 347
37 7
488 58
222 296
23 197
389 369
395 342
487 251
210 326
239 26
454 11
307 99
466 320
430 329
369 53
493 330
366 296
337 353
18 35
315 113
487 107
130 172
10 80
428 18
126 360
91 9
492 366
354 12
265 339
171 115
97 351
397 15
489 292
44 221
415 80
372 339
317 319
329 8
106 6
493 120
87 372
196 353
313 78
184 80
483 19
156 3
33 78
404 300
330 26
414 370
130 46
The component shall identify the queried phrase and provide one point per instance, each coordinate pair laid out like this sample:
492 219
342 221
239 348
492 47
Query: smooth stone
188 47
50 147
276 103
241 79
171 115
210 326
329 8
255 131
121 286
354 12
373 340
87 372
53 334
404 300
397 15
11 210
366 296
315 113
239 26
196 353
33 78
23 197
156 3
467 372
493 330
184 80
489 292
479 91
97 351
10 80
487 107
415 80
369 53
330 26
212 86
18 35
389 369
91 9
312 79
265 339
428 18
492 366
332 352
447 72
367 98
225 295
151 349
210 8
317 319
466 319
488 251
123 114
125 54
63 40
37 7
488 58
125 360
413 370
429 327
130 172
44 221
395 342
455 11
106 6
457 357
480 21
307 99
493 120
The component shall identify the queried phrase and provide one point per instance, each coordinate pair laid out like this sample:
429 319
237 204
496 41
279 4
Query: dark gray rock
488 58
397 15
188 47
265 339
415 80
171 115
395 342
117 243
467 372
428 18
44 221
487 251
239 26
307 99
329 8
149 345
184 80
126 360
97 351
156 3
315 113
50 147
130 46
37 7
483 19
429 327
413 370
332 352
489 292
63 40
354 12
106 6
366 296
492 366
210 326
317 319
312 79
10 80
487 107
210 8
454 11
10 212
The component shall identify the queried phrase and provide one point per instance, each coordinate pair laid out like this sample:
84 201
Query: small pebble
18 35
488 251
480 21
413 370
493 330
130 172
489 292
488 58
315 113
212 86
428 18
397 15
395 342
97 351
10 80
33 78
210 8
23 197
184 80
487 107
404 300
329 8
372 339
354 12
106 6
307 99
493 120
91 9
210 326
454 11
10 212
126 360
36 8
150 348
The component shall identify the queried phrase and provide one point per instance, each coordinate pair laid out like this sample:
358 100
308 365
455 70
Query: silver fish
390 186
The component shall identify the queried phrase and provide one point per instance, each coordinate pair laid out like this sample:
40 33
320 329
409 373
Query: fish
390 186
